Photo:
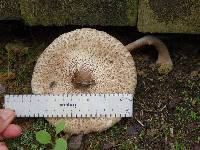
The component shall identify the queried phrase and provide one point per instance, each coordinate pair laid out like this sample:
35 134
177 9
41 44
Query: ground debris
152 132
4 76
134 130
108 145
173 103
195 74
2 89
196 146
17 47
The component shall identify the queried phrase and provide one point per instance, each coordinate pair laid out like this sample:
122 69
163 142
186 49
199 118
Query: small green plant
198 100
141 135
127 144
194 115
43 137
179 146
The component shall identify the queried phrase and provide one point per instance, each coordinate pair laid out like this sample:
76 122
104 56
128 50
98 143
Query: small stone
171 105
108 145
75 142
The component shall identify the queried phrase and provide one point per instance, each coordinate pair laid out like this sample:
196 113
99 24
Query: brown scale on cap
85 61
82 79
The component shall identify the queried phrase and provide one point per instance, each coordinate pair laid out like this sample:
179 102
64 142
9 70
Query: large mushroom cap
85 61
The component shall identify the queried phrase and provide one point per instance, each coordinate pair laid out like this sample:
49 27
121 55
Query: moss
80 12
164 69
127 144
195 74
27 140
168 17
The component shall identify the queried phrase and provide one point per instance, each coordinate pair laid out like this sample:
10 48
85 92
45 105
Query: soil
166 107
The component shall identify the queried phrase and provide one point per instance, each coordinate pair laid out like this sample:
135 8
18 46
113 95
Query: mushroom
85 61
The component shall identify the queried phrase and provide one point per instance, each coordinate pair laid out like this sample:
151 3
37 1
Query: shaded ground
166 107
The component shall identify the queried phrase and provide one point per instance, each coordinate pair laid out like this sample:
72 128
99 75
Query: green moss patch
169 16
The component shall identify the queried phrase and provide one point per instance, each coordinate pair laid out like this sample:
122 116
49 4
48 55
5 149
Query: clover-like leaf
43 137
59 127
61 144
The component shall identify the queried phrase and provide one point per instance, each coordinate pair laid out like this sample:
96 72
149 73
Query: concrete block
9 10
169 16
79 12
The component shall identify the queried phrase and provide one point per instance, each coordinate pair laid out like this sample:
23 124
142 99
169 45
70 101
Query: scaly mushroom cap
85 61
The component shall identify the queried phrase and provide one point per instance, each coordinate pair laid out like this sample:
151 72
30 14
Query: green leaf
61 144
60 126
43 137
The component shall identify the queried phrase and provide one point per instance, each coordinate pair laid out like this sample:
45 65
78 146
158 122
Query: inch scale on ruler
71 105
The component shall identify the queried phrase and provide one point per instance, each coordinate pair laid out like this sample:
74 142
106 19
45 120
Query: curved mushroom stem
164 60
163 54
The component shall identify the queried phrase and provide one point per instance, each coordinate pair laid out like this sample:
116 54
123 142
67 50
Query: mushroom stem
82 79
163 54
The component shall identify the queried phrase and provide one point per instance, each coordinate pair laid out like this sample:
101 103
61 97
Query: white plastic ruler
71 105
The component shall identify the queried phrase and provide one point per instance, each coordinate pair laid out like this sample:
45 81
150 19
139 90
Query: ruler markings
71 105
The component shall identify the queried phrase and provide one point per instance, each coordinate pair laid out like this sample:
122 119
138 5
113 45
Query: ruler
71 105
